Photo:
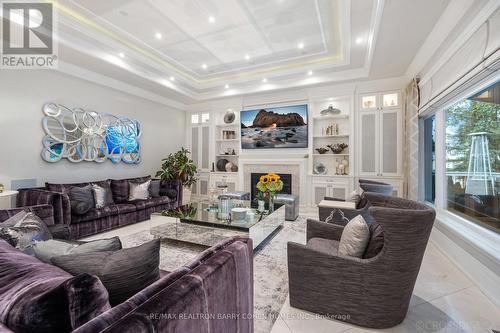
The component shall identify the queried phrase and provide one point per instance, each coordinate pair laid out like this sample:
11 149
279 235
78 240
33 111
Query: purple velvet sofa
212 293
119 214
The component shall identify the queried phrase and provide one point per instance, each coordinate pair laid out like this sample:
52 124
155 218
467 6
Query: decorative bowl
338 147
321 150
319 168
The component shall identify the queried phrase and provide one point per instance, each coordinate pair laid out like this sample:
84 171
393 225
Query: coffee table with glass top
198 223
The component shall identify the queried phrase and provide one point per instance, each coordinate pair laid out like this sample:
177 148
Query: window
472 152
195 118
429 142
205 117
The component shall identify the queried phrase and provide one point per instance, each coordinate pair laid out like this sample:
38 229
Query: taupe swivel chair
374 291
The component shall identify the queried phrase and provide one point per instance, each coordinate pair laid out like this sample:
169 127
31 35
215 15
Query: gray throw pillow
81 199
124 272
27 229
355 237
46 250
139 191
154 188
102 196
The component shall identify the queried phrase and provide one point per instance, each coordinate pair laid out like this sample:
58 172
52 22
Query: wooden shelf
335 116
332 155
331 136
228 125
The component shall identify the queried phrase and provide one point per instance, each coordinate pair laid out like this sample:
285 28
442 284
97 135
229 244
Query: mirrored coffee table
198 223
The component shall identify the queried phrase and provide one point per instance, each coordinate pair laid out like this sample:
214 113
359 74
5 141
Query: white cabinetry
229 179
379 135
336 187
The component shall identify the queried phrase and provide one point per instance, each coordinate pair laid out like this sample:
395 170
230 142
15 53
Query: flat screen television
277 127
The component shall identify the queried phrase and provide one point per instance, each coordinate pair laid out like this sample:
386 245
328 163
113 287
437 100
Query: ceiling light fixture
310 73
226 86
301 45
211 19
204 66
121 54
264 80
359 40
158 35
247 57
172 78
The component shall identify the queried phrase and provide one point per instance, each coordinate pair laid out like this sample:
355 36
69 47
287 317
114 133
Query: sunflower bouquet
270 184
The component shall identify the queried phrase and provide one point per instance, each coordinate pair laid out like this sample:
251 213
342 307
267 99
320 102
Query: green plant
178 166
260 196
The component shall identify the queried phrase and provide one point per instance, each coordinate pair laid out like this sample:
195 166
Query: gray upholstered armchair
372 292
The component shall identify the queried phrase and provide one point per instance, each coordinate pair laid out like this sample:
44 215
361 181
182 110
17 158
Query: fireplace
286 178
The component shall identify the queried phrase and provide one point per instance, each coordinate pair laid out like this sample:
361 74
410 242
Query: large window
472 152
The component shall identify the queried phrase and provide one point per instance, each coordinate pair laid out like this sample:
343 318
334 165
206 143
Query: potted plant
260 201
269 185
179 166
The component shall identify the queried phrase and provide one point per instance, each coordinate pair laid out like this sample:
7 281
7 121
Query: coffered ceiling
191 50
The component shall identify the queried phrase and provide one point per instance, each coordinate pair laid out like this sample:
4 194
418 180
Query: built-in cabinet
379 134
334 187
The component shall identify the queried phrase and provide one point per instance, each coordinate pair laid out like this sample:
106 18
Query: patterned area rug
270 267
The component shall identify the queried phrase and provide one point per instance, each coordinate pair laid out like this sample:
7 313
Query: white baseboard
480 274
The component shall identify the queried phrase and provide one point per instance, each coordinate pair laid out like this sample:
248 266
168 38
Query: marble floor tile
438 276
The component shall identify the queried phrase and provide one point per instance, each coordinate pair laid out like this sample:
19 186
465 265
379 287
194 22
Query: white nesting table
337 204
5 198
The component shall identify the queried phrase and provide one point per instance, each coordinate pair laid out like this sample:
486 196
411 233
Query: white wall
22 94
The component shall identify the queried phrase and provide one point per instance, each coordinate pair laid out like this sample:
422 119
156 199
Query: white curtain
410 135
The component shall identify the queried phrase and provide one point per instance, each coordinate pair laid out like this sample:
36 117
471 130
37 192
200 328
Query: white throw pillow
355 237
139 191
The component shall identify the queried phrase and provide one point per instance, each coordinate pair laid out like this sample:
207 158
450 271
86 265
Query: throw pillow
46 250
169 192
376 242
81 199
154 188
354 238
139 191
102 195
27 229
124 272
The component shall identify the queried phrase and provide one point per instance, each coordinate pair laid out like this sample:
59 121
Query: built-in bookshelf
227 140
331 130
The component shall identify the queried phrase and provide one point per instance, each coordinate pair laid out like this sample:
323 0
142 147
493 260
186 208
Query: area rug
270 267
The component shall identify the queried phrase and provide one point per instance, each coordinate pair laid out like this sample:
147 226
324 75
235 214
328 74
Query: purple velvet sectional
212 293
119 214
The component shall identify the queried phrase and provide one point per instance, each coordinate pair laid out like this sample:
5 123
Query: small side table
5 198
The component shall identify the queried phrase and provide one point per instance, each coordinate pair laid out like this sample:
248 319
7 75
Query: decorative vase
271 203
262 205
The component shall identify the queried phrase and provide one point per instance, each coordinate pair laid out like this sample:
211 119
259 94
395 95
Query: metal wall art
83 135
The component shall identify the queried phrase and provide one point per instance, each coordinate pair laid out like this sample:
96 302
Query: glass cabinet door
389 153
368 145
390 101
368 102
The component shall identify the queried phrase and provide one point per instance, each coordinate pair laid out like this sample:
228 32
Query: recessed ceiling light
300 45
158 35
204 66
211 19
359 40
310 73
172 78
264 80
121 54
226 86
330 99
247 57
